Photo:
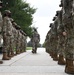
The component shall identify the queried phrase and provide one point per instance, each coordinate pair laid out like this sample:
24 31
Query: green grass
28 48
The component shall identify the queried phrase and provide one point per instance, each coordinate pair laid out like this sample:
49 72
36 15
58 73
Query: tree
22 13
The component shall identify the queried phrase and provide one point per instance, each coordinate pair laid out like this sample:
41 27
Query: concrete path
31 64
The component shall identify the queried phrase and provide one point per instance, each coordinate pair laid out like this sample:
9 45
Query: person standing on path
7 25
35 40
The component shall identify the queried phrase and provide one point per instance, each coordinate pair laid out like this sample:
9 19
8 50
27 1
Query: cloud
45 7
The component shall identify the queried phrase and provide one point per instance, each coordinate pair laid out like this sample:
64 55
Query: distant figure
35 41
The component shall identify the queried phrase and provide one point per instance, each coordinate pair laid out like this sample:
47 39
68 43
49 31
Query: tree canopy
22 13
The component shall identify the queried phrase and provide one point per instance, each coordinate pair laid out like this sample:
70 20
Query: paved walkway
31 64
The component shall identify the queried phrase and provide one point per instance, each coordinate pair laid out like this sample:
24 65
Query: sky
46 10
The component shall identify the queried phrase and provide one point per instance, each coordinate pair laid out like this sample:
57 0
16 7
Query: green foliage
22 13
28 48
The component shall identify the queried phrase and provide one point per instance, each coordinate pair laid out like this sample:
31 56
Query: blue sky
46 10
